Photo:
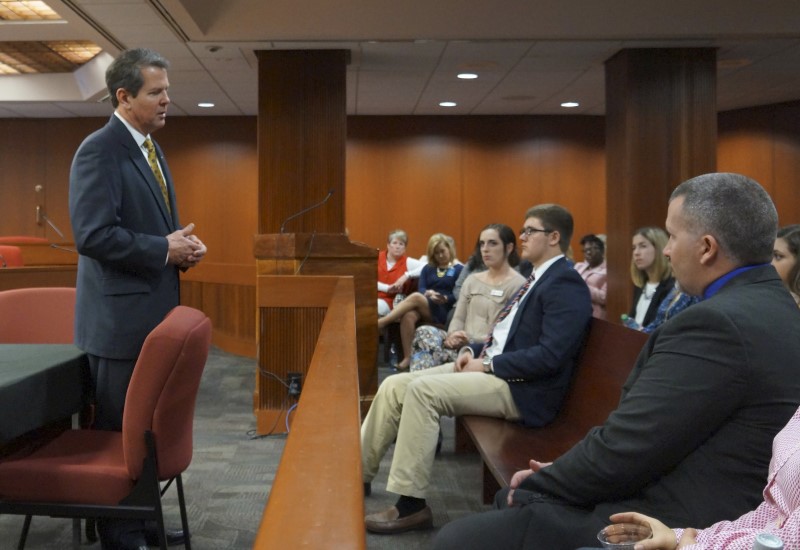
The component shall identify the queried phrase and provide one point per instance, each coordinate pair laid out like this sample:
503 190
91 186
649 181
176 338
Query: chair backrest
44 315
10 256
163 390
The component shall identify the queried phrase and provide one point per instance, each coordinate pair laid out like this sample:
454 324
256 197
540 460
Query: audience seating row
605 362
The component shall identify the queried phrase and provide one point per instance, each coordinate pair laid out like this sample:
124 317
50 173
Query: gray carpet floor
229 479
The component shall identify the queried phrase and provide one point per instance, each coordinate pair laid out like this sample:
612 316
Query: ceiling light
205 104
447 104
27 11
570 104
467 76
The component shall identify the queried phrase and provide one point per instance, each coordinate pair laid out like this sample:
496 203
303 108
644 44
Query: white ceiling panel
529 56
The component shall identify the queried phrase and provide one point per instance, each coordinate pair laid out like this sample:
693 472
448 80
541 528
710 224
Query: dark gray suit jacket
691 440
120 222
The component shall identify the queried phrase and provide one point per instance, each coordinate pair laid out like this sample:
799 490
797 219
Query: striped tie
506 310
151 158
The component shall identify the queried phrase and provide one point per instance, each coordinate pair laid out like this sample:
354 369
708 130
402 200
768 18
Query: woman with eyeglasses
482 296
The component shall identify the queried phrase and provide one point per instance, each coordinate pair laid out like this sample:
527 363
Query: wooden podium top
270 246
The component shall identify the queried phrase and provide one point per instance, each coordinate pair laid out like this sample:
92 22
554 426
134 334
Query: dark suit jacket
662 290
120 222
691 440
545 338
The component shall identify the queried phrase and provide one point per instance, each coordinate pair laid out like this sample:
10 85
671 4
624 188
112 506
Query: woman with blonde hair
434 297
651 273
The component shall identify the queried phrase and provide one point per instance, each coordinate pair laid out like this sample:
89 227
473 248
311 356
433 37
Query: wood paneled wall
764 144
425 174
458 174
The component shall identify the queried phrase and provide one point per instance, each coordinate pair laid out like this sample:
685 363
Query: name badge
496 292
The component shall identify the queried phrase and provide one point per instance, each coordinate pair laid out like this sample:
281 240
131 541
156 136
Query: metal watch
487 365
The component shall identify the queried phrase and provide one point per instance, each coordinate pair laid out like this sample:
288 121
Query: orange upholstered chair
37 315
10 256
92 473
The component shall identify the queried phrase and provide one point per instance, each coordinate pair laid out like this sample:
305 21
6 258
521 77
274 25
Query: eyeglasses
528 231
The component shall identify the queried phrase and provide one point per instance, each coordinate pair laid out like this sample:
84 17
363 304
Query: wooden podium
296 275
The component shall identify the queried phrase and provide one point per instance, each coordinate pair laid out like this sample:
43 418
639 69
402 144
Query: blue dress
442 281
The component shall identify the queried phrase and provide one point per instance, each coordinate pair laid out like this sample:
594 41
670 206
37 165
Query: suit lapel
534 289
141 164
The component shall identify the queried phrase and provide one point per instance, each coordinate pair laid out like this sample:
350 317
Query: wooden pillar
661 129
302 132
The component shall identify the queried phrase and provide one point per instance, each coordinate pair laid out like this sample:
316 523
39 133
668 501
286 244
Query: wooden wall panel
470 171
764 144
214 165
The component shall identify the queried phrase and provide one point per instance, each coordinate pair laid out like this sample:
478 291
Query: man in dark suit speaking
125 223
691 439
522 373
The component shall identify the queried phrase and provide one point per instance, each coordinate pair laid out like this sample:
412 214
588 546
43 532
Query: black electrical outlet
293 380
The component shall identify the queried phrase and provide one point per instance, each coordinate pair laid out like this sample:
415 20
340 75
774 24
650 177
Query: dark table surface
40 384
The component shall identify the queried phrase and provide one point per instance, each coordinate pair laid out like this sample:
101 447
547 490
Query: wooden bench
506 447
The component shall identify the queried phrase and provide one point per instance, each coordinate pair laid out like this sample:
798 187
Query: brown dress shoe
388 522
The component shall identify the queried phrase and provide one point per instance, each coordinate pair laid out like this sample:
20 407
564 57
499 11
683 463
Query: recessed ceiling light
447 104
467 76
570 104
205 104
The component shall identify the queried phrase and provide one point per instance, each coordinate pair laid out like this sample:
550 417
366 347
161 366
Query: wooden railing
317 498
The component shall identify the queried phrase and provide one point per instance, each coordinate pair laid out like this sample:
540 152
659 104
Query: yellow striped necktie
151 158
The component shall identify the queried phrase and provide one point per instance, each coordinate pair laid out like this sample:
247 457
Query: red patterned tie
506 310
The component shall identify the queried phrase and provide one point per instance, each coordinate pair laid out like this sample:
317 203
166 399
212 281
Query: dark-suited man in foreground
522 374
125 222
691 440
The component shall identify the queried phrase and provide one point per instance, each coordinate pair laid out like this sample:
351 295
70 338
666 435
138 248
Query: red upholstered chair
92 473
10 256
44 315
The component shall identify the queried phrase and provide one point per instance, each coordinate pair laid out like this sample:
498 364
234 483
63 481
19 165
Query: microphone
2 259
303 211
64 248
42 216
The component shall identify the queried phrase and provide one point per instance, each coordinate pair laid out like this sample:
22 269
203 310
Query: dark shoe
367 488
174 536
388 522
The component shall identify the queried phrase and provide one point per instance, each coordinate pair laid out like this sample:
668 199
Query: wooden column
302 131
661 129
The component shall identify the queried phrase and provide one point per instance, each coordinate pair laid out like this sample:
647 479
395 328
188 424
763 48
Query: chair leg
23 536
91 530
76 533
184 518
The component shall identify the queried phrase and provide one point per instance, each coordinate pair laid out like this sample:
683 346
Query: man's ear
709 249
554 237
123 98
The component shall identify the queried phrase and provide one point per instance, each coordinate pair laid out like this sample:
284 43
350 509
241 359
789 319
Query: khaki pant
408 406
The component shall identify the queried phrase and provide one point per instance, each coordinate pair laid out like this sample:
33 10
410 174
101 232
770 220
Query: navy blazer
120 223
543 343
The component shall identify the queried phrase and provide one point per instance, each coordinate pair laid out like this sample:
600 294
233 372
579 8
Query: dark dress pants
543 524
